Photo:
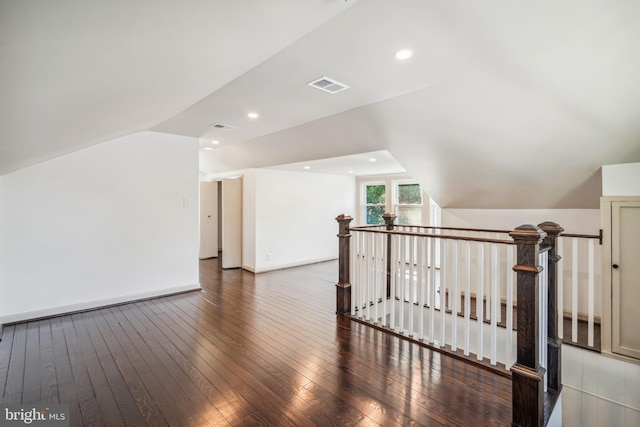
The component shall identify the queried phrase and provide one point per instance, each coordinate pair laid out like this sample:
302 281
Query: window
408 203
374 203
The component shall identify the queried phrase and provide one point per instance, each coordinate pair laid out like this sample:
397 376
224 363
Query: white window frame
396 195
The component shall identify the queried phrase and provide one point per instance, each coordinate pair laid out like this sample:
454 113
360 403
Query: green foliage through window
374 215
409 194
375 194
375 203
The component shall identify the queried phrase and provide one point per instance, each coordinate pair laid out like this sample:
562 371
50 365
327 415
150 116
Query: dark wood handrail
439 236
580 236
488 230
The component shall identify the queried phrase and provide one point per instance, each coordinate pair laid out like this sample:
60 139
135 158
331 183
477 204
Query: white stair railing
433 282
579 281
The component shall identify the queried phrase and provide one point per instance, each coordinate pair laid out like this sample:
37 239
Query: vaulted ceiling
503 105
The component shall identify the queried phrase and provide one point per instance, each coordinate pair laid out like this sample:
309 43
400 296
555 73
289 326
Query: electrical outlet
268 256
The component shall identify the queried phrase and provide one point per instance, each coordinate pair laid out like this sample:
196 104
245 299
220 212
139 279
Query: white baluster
443 290
421 282
395 244
574 291
467 300
432 290
510 357
591 293
454 297
403 283
560 270
480 301
495 303
412 285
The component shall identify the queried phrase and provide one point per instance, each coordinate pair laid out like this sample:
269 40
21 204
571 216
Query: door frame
606 327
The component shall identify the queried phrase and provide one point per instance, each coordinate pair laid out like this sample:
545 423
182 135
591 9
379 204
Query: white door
208 220
625 278
232 223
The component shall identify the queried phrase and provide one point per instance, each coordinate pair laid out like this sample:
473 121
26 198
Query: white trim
288 265
395 196
61 310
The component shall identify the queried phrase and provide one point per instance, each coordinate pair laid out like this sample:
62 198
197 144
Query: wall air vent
223 127
328 85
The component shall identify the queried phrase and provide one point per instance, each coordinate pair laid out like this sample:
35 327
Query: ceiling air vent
221 126
328 85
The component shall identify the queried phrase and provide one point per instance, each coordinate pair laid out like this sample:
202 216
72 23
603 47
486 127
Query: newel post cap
389 219
551 228
528 234
344 218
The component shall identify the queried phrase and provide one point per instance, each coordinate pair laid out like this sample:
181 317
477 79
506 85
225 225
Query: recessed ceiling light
403 54
372 159
253 115
207 148
307 167
350 171
215 142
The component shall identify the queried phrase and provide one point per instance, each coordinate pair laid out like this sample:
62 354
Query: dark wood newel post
389 219
343 287
527 374
554 343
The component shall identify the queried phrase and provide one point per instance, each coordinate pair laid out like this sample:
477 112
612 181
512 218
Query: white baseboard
71 308
288 265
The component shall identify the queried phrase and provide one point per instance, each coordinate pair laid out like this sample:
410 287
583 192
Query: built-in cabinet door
625 278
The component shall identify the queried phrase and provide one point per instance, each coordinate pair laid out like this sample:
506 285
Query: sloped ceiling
504 104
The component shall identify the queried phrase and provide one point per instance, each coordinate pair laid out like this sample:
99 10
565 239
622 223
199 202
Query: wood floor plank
232 404
435 410
237 349
31 390
189 379
176 404
48 377
346 414
242 378
6 346
134 402
265 350
105 395
140 380
64 375
82 387
15 372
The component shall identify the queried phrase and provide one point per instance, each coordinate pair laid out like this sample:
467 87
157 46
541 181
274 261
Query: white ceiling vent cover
328 85
221 126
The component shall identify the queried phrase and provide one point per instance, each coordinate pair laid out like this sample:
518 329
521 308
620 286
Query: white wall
621 180
249 219
579 221
295 217
113 222
231 222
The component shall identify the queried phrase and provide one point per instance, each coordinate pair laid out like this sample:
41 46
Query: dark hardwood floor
250 349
